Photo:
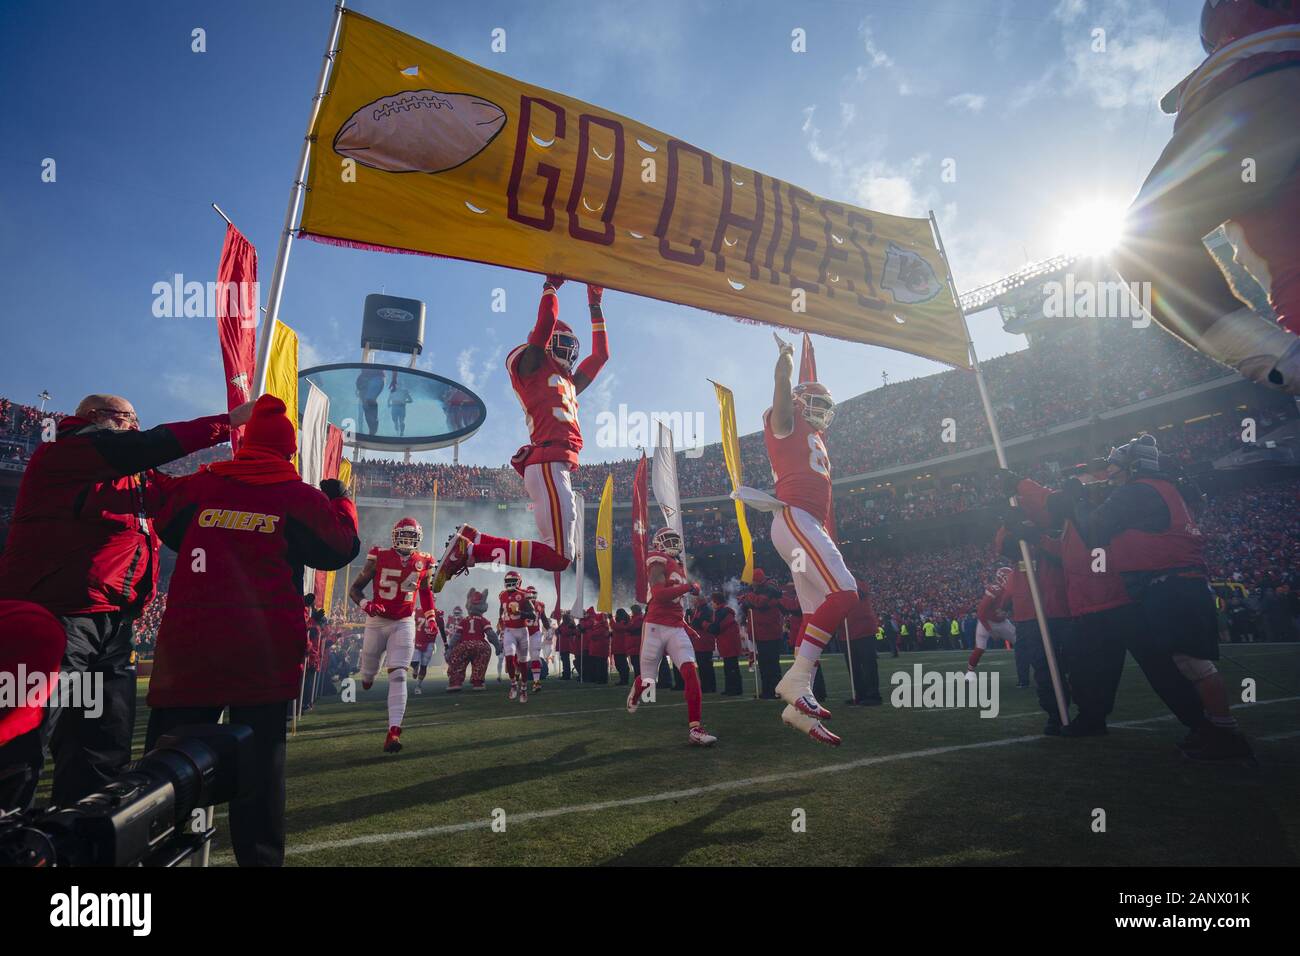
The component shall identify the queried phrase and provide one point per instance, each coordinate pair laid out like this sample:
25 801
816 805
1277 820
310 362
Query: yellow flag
329 593
419 150
345 473
282 372
604 547
731 452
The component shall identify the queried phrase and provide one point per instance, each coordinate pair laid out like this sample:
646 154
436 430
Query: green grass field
581 782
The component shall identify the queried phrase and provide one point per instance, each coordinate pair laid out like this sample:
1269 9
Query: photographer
233 633
82 547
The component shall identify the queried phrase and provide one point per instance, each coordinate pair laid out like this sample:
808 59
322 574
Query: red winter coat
596 636
78 543
727 631
765 613
233 633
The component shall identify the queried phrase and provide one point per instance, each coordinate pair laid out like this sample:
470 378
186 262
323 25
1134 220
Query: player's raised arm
548 314
594 362
782 416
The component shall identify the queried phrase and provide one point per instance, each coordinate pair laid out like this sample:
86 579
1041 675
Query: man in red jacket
762 607
82 547
233 634
726 631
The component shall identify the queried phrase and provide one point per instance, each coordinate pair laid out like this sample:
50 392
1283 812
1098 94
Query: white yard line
741 784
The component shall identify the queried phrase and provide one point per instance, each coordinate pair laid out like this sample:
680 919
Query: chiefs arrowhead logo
638 527
908 277
601 543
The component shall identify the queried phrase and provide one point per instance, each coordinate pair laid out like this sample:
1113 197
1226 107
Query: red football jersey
535 624
800 466
512 607
550 405
397 579
666 608
994 605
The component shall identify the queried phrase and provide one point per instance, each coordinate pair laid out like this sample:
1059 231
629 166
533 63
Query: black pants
865 669
564 661
732 686
1176 616
769 668
635 661
1097 660
88 751
1023 654
708 677
308 689
256 823
620 663
1030 638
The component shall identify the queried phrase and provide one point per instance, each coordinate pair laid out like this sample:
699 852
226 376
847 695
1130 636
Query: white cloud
968 101
476 376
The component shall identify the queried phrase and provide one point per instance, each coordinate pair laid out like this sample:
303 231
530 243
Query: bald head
110 411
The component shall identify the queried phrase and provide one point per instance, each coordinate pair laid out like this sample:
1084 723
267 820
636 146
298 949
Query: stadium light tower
45 396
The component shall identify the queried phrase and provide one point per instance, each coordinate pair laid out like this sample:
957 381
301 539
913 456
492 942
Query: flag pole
291 213
753 651
848 657
1025 557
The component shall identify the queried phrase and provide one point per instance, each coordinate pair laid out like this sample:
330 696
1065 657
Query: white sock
802 671
396 698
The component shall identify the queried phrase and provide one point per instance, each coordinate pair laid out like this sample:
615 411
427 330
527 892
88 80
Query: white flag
663 480
579 536
312 436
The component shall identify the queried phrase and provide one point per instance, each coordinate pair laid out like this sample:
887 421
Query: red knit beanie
269 430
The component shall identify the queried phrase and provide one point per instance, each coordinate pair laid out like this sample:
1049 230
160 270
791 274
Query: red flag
333 452
807 361
237 301
640 520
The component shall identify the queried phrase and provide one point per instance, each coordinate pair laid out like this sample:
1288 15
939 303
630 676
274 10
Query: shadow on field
459 786
410 754
669 847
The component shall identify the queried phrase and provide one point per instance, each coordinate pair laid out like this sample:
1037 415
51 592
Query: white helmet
668 541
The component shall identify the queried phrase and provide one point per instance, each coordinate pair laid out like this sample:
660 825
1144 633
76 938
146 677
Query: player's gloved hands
370 608
594 292
1008 480
334 489
695 588
554 281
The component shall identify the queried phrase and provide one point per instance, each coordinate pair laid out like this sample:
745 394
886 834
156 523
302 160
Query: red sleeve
103 455
1032 497
590 366
322 534
548 313
667 592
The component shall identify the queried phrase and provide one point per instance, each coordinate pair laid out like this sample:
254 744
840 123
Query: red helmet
406 535
563 346
513 580
1223 21
815 404
1003 576
668 541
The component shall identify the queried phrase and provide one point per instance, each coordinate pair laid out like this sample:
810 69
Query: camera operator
1150 537
81 547
233 633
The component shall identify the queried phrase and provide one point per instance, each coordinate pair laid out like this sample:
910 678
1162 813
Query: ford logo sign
395 315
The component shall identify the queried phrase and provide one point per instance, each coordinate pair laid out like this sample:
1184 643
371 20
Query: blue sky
146 133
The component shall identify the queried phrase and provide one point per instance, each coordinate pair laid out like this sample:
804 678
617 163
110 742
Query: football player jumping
665 630
827 592
991 615
512 625
544 378
399 573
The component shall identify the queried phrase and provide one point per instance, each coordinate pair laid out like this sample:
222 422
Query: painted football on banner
420 131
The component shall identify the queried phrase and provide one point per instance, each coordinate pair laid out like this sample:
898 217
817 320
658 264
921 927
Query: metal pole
848 656
222 214
753 650
1025 557
291 214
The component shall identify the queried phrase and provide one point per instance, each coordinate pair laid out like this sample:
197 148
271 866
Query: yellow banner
345 473
421 151
282 372
731 452
604 547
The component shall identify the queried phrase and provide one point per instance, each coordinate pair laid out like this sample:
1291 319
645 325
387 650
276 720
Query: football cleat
457 558
392 743
514 691
453 690
480 687
367 684
418 691
801 698
699 737
537 685
633 699
523 693
807 725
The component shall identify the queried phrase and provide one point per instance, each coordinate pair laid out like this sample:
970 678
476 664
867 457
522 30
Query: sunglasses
128 417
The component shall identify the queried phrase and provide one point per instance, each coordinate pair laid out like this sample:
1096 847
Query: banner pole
848 657
753 651
296 191
1025 557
